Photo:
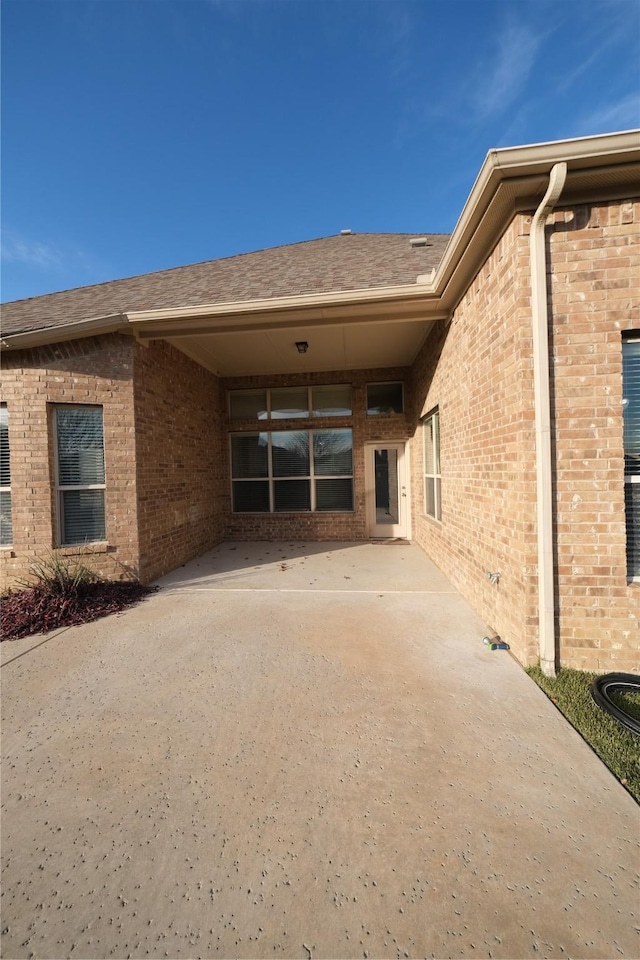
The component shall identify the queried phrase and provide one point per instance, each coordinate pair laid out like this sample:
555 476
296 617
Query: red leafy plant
63 591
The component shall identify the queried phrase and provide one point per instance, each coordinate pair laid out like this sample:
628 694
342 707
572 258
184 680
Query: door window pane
386 486
248 404
332 401
289 403
384 398
333 453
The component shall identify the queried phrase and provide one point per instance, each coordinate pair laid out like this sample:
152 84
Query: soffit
336 347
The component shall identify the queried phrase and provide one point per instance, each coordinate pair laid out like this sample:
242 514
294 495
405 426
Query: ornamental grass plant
62 591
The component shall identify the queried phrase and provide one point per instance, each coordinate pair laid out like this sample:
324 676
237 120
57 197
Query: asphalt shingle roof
343 262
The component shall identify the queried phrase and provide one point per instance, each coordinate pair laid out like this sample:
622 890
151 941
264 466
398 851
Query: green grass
617 747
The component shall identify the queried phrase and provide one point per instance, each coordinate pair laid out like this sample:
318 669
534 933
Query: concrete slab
302 752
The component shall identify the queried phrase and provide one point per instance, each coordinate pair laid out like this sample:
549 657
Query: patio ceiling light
302 346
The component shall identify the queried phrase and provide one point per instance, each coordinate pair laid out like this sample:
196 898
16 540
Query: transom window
291 403
385 398
292 471
80 474
631 422
432 477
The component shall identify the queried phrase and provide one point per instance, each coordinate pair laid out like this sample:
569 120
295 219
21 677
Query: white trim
402 529
435 476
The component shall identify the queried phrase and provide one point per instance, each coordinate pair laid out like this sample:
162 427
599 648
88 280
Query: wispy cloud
622 23
15 249
622 114
46 262
499 84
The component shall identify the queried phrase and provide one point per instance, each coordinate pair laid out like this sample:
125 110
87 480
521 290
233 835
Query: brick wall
181 458
478 371
96 370
595 295
317 526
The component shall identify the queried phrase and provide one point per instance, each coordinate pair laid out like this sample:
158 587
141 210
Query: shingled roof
352 261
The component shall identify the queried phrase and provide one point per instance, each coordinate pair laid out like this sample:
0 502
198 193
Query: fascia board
523 165
312 304
511 170
114 323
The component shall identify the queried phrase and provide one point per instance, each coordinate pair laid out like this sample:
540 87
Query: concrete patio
302 750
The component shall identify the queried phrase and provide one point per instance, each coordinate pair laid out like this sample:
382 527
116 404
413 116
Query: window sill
7 548
431 519
80 549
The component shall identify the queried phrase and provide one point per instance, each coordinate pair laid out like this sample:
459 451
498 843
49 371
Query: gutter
542 404
518 171
113 323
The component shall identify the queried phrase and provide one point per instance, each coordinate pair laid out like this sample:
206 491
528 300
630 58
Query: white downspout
542 403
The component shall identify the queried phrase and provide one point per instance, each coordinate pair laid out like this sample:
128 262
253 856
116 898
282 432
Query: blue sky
144 135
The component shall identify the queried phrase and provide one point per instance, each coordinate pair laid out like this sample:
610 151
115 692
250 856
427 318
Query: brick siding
181 458
595 295
96 370
478 371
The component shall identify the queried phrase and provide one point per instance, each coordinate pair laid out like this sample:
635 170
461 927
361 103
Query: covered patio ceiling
253 339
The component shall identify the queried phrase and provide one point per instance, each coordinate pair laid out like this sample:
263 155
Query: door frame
402 529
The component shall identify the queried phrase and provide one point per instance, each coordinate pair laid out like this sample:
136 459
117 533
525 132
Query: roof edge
501 166
113 323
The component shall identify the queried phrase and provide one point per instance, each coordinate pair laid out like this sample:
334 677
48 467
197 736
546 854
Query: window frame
60 489
433 417
6 488
271 479
310 411
632 533
385 383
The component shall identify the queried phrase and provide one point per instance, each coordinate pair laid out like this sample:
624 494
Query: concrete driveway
302 751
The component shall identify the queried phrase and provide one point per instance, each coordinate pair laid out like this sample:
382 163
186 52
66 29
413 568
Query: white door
386 490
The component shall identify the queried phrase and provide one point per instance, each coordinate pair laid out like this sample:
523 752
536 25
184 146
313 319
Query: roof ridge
233 256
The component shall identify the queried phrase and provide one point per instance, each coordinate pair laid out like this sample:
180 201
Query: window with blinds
631 423
292 471
432 478
6 523
80 474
